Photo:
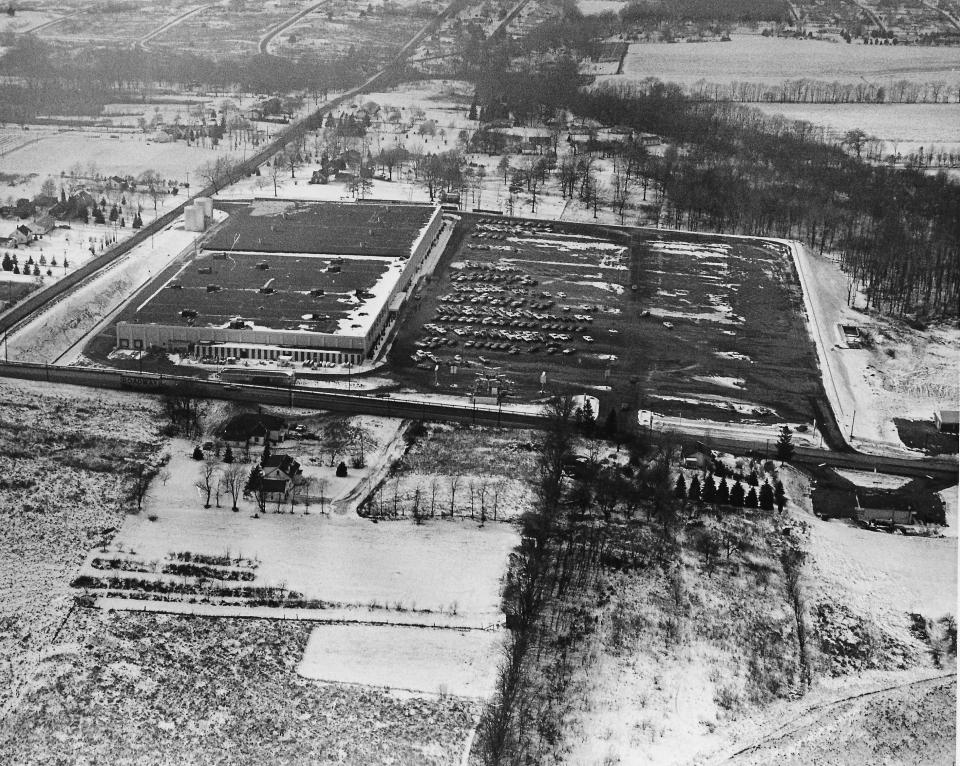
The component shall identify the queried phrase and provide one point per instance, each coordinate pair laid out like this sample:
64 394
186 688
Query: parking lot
518 292
685 324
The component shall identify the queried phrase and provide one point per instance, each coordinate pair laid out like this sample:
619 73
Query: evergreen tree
694 492
785 444
137 221
736 495
709 491
753 480
779 496
66 263
228 455
197 453
680 488
98 216
253 480
266 451
36 271
473 111
751 500
114 214
7 262
723 492
766 496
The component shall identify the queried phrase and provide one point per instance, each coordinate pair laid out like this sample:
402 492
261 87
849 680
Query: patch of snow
423 660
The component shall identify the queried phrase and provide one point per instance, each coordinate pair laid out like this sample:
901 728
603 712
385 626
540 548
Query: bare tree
453 481
322 485
233 480
308 483
207 481
275 170
216 172
433 496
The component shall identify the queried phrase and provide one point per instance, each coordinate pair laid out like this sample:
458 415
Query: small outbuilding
947 421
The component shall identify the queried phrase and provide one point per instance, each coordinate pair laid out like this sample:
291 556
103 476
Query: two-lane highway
425 409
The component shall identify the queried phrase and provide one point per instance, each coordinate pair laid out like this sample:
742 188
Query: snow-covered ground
76 243
448 566
909 374
59 329
881 575
463 663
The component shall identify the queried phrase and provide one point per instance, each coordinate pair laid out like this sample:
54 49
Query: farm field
769 59
714 329
127 154
903 128
447 567
125 23
337 28
222 31
164 690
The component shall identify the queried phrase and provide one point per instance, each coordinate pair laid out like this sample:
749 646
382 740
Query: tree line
809 91
733 169
43 79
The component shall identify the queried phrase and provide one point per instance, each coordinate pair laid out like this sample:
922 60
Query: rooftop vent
214 288
188 314
205 270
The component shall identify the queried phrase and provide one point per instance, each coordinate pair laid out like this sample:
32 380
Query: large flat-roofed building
289 280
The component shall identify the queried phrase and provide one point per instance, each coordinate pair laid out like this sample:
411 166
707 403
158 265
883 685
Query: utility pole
853 419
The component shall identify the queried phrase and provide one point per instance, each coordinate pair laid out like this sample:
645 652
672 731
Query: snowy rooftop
341 228
275 291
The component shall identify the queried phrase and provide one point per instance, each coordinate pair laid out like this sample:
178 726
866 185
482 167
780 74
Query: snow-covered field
127 154
903 128
63 324
909 373
443 566
459 662
754 58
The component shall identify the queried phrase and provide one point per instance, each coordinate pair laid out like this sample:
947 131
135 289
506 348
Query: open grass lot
12 292
768 59
383 31
903 128
226 31
714 327
145 689
115 22
290 305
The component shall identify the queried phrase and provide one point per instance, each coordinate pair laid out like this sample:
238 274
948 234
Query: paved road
278 28
425 409
142 42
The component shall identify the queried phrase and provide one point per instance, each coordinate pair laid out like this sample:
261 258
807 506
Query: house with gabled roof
254 428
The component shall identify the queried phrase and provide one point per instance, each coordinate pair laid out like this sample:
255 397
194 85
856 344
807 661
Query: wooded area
42 79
